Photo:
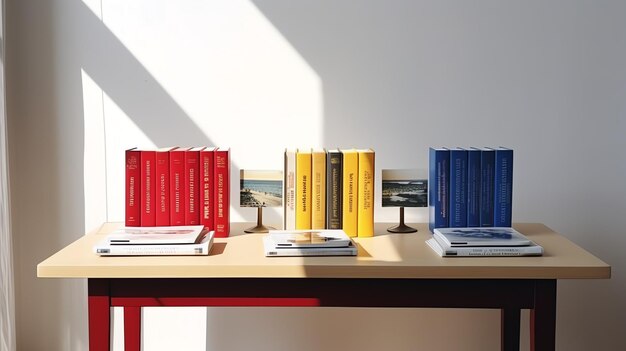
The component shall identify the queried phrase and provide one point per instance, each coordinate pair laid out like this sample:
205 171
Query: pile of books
331 189
482 242
470 187
178 186
308 243
156 241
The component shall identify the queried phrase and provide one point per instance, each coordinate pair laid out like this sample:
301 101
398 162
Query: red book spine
192 186
163 187
222 193
148 188
133 184
207 188
177 192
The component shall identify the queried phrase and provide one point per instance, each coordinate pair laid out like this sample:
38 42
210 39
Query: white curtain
7 307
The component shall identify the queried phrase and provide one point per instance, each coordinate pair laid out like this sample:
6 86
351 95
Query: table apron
321 292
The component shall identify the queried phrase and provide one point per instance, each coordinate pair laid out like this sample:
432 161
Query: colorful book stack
178 186
470 187
331 189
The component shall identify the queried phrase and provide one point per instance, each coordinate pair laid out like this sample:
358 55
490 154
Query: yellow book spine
365 200
318 190
303 190
350 192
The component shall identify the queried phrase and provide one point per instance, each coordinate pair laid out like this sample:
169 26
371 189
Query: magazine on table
105 248
444 250
156 235
493 236
271 250
313 238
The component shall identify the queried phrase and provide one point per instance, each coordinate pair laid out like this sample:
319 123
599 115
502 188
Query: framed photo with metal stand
404 188
260 188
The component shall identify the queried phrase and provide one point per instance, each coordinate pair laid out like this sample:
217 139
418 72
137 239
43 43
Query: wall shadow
35 176
47 148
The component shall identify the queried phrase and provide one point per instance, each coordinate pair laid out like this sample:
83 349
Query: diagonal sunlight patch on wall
231 72
95 6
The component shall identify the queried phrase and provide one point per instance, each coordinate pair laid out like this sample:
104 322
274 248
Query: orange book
303 189
365 201
350 192
318 189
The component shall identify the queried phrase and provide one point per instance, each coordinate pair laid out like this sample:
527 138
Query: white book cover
314 238
289 190
446 251
494 236
203 248
156 235
272 251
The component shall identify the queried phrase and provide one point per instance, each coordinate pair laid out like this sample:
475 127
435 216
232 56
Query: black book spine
334 169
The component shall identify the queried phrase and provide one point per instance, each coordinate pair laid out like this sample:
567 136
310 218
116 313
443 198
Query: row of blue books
470 187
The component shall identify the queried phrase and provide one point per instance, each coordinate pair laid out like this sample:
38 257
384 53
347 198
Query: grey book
334 170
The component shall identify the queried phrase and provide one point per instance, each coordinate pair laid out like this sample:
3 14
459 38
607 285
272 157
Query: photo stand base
259 228
402 228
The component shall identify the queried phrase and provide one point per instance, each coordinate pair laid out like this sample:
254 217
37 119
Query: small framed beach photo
405 188
261 188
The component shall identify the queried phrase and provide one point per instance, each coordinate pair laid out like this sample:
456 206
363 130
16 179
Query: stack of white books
496 241
322 242
156 241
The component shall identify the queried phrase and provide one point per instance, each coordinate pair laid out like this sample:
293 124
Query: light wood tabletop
385 255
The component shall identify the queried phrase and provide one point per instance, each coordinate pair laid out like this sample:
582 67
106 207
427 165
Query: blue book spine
487 164
473 187
503 188
458 188
438 187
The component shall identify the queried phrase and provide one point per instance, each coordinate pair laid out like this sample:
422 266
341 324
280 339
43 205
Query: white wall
88 79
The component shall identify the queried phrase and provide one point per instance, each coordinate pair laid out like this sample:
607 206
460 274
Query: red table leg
99 314
132 328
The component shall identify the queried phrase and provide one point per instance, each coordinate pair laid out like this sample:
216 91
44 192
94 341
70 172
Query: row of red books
178 186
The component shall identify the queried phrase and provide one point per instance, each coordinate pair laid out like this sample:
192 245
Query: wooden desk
400 266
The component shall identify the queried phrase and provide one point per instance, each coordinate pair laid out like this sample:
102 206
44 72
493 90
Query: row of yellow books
330 189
